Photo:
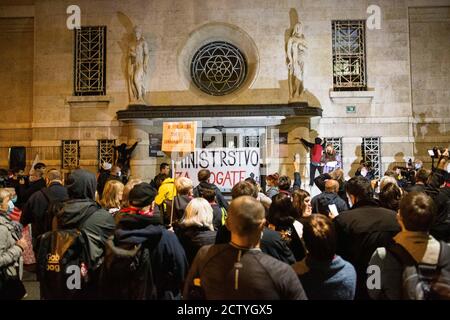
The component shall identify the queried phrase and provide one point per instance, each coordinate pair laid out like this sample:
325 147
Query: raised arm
307 143
130 151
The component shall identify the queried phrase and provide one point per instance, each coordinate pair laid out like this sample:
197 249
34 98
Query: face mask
364 172
417 166
119 174
10 207
14 200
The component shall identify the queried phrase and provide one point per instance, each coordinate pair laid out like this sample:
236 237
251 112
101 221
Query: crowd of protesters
169 239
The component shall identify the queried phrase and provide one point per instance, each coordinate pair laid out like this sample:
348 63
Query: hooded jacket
99 225
179 206
166 191
168 260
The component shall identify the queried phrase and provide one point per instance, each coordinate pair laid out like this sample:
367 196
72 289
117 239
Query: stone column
141 165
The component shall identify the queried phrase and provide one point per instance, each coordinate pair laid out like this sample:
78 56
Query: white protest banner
228 166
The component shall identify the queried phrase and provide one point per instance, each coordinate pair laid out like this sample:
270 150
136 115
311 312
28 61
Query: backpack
63 262
126 273
422 281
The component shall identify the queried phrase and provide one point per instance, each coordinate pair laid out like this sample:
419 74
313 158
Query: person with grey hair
196 228
239 269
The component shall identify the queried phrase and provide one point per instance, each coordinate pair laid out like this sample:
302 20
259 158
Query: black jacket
217 216
35 209
179 206
221 201
320 203
441 226
260 277
31 189
168 259
193 238
360 231
271 243
417 188
99 226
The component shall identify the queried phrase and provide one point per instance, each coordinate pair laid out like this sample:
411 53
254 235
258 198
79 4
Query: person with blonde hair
196 228
126 191
112 196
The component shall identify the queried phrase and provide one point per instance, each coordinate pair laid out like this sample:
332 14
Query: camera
434 153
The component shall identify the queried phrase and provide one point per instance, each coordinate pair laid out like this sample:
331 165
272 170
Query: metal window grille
218 68
337 144
90 61
251 141
371 152
349 55
70 154
106 151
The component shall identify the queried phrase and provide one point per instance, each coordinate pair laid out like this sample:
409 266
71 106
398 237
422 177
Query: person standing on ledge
124 155
316 156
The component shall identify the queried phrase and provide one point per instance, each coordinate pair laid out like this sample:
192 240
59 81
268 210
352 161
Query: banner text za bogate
228 166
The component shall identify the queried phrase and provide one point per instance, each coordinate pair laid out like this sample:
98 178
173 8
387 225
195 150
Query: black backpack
126 273
63 263
424 281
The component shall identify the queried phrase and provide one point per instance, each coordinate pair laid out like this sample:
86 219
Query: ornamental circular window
218 68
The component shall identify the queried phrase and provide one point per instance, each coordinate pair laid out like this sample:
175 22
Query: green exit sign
350 109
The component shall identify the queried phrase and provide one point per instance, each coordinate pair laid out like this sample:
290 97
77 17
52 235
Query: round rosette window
218 68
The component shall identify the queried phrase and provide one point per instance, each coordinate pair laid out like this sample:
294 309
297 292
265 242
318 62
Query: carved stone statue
137 67
296 52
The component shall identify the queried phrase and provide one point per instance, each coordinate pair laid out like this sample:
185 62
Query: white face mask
417 166
364 172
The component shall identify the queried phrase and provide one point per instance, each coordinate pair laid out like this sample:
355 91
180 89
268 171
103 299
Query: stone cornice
213 111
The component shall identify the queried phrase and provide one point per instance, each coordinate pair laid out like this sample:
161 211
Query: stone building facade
405 104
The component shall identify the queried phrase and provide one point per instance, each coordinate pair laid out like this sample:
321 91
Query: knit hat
142 195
